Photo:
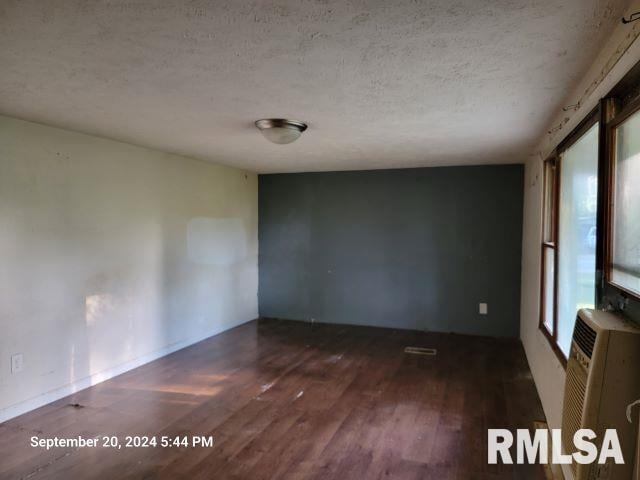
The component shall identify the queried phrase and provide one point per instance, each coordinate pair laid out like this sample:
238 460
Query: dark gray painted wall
412 248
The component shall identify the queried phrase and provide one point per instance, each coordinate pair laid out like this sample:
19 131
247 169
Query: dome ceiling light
280 130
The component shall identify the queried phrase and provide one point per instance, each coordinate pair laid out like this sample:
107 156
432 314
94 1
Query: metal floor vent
420 351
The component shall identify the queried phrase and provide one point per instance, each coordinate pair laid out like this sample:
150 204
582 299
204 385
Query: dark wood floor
296 401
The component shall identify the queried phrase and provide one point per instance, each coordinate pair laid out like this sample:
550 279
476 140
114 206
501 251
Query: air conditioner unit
603 377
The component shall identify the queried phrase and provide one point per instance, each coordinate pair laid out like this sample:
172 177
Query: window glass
549 199
577 233
549 280
625 268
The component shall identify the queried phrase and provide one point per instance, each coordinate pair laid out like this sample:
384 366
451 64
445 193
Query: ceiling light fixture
281 130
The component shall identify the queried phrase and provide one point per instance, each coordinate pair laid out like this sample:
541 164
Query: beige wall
112 255
618 55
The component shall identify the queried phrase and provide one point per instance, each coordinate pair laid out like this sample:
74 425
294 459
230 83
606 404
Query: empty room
320 239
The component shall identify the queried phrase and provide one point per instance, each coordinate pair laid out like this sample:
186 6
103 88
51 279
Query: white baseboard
86 382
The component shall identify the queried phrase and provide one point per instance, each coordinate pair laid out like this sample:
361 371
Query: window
624 260
549 247
569 237
591 217
578 202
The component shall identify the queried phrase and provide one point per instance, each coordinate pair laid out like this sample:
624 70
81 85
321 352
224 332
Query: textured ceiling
382 83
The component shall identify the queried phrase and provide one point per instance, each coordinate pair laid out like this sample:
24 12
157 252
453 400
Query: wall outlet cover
483 309
16 362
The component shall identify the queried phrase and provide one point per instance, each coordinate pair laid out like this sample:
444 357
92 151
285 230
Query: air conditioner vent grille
575 390
584 336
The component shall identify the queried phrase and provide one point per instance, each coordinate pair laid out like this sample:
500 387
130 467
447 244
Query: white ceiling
382 83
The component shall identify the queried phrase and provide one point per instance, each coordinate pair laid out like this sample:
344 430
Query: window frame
617 119
576 134
621 101
549 245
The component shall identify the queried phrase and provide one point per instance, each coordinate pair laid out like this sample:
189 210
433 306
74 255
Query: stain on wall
413 248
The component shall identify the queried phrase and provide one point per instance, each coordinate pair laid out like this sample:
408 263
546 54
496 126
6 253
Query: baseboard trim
26 406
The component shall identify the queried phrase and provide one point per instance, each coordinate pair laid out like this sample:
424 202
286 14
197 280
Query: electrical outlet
16 363
483 309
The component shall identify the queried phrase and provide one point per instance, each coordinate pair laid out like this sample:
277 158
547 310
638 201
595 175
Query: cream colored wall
112 255
617 57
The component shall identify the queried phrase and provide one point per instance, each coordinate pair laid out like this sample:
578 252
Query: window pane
626 233
577 233
549 268
549 200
